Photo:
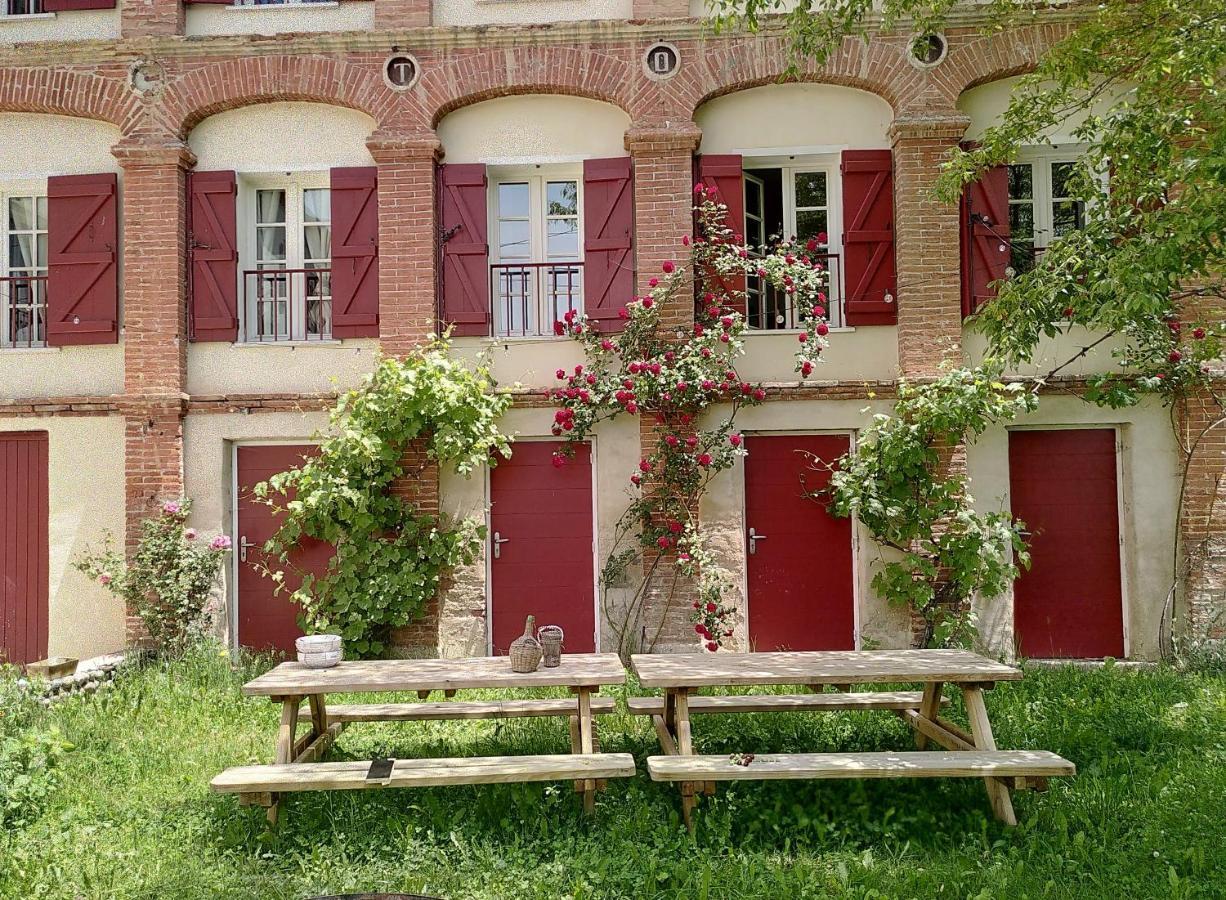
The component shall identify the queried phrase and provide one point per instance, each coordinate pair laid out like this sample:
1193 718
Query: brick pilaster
1202 522
147 18
926 244
419 487
403 13
407 241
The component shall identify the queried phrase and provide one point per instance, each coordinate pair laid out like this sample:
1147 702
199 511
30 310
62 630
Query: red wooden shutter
608 238
984 237
70 5
466 250
213 239
725 173
23 546
355 252
868 237
82 267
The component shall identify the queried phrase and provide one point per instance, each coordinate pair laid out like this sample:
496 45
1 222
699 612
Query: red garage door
1062 484
801 594
23 546
541 545
268 620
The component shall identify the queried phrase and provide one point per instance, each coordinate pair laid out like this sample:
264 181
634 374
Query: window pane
810 189
810 224
513 200
1060 174
21 251
563 238
316 240
562 198
41 259
270 243
1021 221
513 242
317 205
1021 182
270 207
21 213
42 214
1067 216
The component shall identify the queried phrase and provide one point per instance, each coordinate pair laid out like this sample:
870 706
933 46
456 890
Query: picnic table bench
297 762
965 753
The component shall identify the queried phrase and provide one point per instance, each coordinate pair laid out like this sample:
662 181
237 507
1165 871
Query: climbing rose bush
684 378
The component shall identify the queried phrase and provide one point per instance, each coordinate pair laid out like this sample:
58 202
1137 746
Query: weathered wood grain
463 709
758 703
908 764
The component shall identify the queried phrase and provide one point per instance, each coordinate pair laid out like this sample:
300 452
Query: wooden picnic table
970 753
297 765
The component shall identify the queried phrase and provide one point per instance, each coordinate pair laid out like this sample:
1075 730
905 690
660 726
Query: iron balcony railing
774 310
23 311
528 298
283 305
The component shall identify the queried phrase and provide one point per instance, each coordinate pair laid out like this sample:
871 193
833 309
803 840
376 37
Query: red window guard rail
527 298
773 310
23 307
284 305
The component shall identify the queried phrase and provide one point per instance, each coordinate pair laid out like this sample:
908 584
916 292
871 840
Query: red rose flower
712 646
559 329
632 407
735 440
759 394
704 459
644 465
648 303
1199 333
685 240
561 373
663 543
558 461
802 337
669 267
806 368
822 329
1175 356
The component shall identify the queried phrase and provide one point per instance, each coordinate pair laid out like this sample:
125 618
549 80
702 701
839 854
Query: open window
1041 204
23 269
287 285
536 258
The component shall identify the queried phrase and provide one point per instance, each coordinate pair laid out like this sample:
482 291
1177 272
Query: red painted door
1062 484
23 546
801 594
269 620
541 545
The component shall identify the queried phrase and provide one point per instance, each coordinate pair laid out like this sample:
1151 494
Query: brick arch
976 58
217 87
468 77
64 92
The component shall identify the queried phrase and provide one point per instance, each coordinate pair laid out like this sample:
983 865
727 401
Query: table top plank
817 667
292 679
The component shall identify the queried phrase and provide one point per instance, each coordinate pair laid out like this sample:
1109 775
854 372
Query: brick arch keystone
65 92
230 84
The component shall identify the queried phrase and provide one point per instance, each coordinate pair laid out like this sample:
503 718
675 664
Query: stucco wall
533 128
86 500
986 103
778 118
75 25
218 368
207 19
1052 352
527 12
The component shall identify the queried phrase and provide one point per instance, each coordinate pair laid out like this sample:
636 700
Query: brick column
407 237
154 247
1202 524
661 9
402 13
926 244
663 213
147 18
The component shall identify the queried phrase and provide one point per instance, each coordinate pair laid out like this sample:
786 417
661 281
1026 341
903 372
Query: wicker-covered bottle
526 649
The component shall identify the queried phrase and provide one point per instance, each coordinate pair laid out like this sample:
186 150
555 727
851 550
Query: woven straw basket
526 649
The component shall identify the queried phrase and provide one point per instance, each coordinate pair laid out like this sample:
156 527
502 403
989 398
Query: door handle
243 544
499 540
754 537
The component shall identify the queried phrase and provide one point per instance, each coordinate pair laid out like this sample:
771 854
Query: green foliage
30 751
168 579
894 482
390 556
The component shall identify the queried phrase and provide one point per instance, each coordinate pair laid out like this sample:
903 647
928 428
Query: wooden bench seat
753 703
907 764
340 776
463 709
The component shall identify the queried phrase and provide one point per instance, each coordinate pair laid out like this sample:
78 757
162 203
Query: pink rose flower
171 508
221 542
104 578
190 534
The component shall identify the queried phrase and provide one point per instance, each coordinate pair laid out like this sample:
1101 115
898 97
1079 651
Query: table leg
685 747
285 747
319 715
585 745
930 707
981 730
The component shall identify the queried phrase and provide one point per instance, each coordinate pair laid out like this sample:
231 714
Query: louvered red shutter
725 173
466 251
82 260
984 237
70 5
608 238
213 242
868 237
355 252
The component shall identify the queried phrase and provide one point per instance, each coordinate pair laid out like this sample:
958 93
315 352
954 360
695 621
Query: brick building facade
166 98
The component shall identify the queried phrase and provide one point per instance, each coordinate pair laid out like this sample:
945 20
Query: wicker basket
526 649
551 637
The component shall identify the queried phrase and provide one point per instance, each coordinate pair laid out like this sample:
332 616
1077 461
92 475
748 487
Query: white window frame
791 166
540 321
1041 160
294 184
35 10
36 188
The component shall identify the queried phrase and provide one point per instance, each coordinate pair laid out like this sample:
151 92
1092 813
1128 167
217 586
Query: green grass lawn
132 815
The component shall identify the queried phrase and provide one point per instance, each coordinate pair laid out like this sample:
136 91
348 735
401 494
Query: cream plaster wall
208 466
209 19
529 362
986 103
781 118
854 354
1149 487
1052 352
85 474
462 608
217 368
83 147
528 12
535 128
75 25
